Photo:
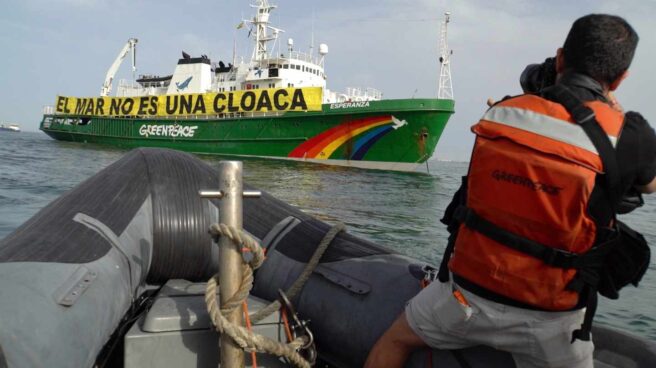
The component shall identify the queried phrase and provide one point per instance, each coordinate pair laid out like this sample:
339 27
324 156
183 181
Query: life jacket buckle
560 258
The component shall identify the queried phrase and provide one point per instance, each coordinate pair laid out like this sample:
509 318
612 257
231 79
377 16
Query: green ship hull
389 134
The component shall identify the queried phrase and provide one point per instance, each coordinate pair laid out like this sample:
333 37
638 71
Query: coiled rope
244 338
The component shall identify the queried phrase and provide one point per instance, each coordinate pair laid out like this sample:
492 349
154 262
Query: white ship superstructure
269 67
10 127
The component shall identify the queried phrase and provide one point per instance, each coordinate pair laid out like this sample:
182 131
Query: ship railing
302 56
50 110
230 115
366 94
128 88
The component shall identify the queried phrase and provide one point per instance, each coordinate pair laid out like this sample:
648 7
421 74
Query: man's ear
560 61
613 86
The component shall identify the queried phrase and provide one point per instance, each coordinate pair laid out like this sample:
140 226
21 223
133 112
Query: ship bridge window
285 66
298 67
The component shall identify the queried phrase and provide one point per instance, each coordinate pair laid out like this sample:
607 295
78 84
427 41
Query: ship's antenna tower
312 37
234 48
445 88
261 24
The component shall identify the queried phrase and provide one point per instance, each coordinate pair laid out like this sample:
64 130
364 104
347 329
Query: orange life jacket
532 172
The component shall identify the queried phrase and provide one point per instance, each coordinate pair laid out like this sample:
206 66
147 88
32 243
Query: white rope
244 338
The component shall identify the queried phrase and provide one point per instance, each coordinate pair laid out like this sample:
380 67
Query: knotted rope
244 338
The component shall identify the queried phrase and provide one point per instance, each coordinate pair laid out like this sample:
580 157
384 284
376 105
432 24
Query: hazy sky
52 47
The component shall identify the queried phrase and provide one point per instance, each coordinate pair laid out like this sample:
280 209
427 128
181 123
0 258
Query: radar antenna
445 88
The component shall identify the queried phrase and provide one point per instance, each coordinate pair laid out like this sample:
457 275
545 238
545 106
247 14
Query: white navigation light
290 42
323 49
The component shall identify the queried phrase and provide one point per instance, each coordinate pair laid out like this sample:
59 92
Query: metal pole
230 259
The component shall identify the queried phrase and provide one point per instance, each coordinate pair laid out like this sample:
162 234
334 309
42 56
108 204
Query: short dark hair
600 46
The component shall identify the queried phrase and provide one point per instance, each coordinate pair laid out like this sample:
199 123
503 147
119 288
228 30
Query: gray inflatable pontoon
81 281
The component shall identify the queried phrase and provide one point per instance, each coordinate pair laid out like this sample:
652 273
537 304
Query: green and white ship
276 105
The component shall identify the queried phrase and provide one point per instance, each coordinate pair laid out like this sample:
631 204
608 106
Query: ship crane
130 46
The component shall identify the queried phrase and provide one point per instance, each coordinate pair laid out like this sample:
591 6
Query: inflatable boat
111 274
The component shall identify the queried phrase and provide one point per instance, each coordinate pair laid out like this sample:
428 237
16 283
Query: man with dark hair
533 228
601 47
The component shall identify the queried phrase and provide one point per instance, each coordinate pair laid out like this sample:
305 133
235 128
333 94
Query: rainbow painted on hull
368 131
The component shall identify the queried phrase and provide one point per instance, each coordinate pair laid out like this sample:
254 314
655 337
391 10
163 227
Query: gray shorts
535 338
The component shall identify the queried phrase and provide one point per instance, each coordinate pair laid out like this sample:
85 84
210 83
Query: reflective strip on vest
544 125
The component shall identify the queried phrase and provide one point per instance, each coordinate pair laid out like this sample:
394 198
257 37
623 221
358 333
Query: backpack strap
585 117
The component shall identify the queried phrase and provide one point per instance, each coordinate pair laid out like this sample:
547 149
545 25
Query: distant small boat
10 127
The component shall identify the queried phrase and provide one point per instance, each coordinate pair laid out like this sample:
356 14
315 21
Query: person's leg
540 339
393 348
432 318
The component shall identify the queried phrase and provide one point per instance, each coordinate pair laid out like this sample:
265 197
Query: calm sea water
397 210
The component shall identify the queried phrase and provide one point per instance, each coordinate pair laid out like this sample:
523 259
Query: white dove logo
398 123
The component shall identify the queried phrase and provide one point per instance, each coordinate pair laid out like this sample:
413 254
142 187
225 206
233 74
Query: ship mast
445 88
261 23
